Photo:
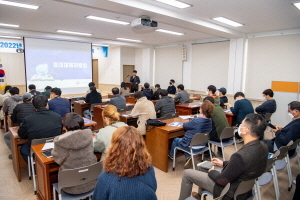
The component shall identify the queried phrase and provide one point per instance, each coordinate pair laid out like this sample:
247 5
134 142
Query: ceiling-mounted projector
143 24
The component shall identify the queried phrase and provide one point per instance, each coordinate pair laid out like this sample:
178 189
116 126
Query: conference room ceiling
195 22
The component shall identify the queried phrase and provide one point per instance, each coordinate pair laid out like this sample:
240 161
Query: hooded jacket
79 144
144 110
11 102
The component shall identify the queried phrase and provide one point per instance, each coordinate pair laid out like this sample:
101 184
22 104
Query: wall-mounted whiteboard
168 65
210 65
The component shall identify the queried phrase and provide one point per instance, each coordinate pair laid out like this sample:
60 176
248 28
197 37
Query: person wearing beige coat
144 110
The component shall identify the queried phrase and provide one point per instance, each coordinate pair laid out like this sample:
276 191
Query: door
127 72
95 73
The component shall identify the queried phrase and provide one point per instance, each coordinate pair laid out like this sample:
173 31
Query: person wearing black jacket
147 92
41 124
91 98
156 94
32 90
19 113
135 81
268 106
172 89
247 163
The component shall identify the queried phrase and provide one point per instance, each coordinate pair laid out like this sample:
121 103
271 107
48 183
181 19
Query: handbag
154 123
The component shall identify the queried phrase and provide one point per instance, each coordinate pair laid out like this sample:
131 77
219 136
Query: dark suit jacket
41 124
135 80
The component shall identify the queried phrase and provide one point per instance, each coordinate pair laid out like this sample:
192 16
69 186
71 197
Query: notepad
48 145
186 117
208 165
177 124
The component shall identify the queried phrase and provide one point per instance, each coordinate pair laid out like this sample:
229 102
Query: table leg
15 156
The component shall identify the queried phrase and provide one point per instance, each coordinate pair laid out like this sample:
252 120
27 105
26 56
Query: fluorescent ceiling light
22 5
107 20
297 5
10 25
175 3
227 21
170 32
101 45
74 33
12 37
130 40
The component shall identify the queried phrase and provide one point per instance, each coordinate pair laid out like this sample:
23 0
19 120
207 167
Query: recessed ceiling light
107 20
22 5
170 32
227 21
74 33
10 25
7 36
175 3
297 5
101 45
130 40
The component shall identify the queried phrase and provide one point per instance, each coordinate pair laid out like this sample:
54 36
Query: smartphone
272 126
47 153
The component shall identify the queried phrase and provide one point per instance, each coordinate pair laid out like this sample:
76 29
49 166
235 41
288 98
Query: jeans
25 151
199 178
7 139
87 114
176 143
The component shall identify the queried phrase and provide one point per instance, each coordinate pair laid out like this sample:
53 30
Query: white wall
144 65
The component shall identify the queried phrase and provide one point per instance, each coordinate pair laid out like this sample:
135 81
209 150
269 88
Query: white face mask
291 115
206 92
239 131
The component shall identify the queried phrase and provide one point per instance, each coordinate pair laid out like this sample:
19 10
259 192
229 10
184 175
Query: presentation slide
67 65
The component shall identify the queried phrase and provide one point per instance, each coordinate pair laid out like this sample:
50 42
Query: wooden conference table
16 142
80 107
193 108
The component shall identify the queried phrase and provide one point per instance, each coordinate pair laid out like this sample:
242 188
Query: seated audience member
128 173
219 122
144 110
5 95
41 124
11 102
156 94
111 118
182 96
297 190
171 88
223 98
47 91
290 132
57 104
165 105
211 91
19 113
268 106
201 124
91 98
74 149
124 91
32 90
91 84
147 91
117 100
2 98
247 163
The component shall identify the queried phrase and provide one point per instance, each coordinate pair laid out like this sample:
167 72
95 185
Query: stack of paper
177 124
48 145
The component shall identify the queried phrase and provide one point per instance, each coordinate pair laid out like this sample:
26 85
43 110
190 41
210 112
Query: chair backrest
228 132
244 187
41 141
189 101
78 176
199 138
284 150
295 144
271 161
168 116
95 104
268 116
224 191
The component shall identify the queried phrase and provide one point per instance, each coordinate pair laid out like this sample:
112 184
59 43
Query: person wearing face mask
268 106
111 118
171 89
247 163
290 132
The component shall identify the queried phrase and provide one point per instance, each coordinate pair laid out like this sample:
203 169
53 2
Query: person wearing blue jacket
268 106
201 124
57 104
290 132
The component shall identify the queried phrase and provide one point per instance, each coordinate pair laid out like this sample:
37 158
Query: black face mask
170 83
